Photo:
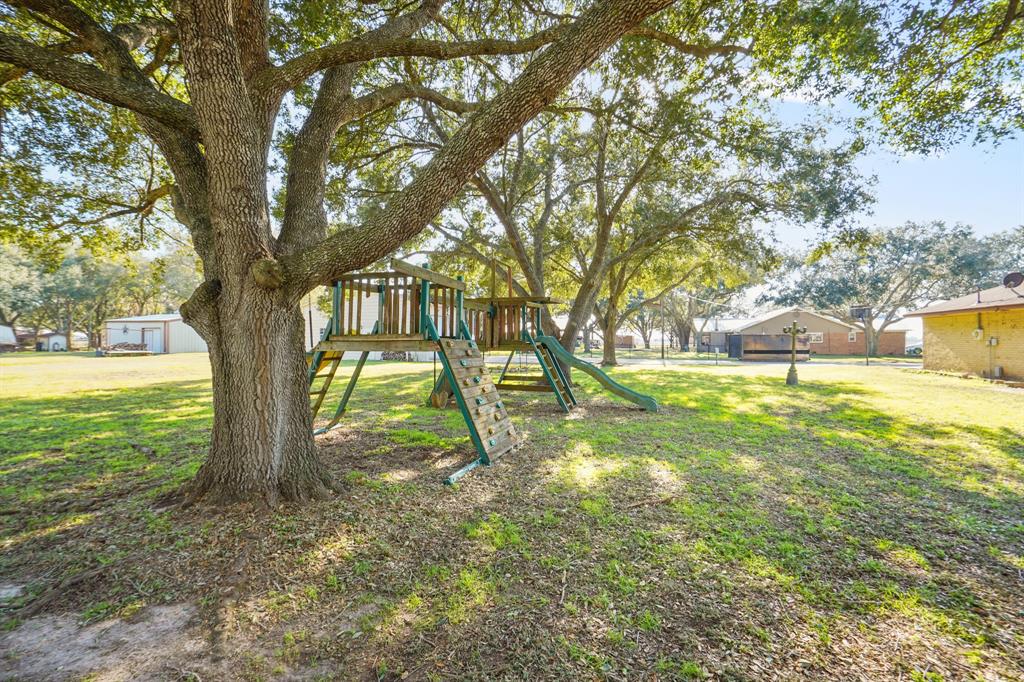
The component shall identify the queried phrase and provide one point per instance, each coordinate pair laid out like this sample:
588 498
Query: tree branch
470 147
298 69
654 299
700 51
93 82
393 94
305 217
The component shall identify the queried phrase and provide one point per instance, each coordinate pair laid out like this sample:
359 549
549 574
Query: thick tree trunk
871 339
581 309
683 334
262 447
610 327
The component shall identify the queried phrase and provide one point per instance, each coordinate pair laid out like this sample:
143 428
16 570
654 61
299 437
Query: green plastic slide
644 401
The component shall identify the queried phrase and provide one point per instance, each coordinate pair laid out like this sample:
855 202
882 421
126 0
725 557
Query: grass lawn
875 360
868 524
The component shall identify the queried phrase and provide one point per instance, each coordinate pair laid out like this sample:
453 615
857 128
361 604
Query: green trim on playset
460 400
560 353
504 370
335 322
548 351
557 366
544 367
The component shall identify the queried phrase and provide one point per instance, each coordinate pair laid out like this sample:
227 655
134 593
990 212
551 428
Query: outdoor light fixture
793 330
863 313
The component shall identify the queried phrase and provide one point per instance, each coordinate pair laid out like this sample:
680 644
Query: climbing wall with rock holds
477 397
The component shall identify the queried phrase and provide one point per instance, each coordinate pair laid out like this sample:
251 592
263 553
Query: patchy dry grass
867 524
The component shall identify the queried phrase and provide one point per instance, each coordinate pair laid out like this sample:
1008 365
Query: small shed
52 341
8 341
166 333
58 341
626 341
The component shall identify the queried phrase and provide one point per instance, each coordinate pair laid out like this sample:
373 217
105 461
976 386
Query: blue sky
979 185
982 186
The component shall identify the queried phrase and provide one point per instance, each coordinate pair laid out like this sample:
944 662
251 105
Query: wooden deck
377 342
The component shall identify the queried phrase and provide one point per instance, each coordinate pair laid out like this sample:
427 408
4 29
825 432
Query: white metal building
8 341
158 333
56 341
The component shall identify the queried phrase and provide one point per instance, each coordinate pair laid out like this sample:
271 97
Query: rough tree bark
610 325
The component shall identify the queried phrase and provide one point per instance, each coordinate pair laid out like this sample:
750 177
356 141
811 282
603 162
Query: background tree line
91 286
895 270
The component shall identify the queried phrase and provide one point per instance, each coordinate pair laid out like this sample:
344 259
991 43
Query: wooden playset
421 310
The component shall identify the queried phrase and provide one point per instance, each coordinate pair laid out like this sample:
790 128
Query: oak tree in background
621 189
21 287
715 294
1004 252
642 316
894 271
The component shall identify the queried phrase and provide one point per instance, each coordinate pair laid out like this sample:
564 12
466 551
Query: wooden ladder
565 394
551 381
325 360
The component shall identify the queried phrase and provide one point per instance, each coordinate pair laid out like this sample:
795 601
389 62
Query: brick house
981 334
825 335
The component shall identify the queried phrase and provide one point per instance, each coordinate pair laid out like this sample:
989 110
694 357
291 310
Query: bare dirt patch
159 643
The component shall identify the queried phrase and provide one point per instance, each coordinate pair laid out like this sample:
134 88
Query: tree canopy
897 270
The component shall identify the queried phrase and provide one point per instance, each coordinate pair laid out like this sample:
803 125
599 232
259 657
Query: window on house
851 337
816 337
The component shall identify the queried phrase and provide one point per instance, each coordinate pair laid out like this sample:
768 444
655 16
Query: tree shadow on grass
740 532
95 442
799 534
852 509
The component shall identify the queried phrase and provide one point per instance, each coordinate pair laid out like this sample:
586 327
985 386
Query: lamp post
863 313
793 330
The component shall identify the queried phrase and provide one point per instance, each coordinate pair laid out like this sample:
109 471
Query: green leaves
695 81
893 270
954 72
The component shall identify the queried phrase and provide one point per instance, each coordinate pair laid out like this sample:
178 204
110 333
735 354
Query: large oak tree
893 270
206 83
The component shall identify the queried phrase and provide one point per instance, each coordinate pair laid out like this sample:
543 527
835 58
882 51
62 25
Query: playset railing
400 305
495 322
421 310
476 317
503 320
